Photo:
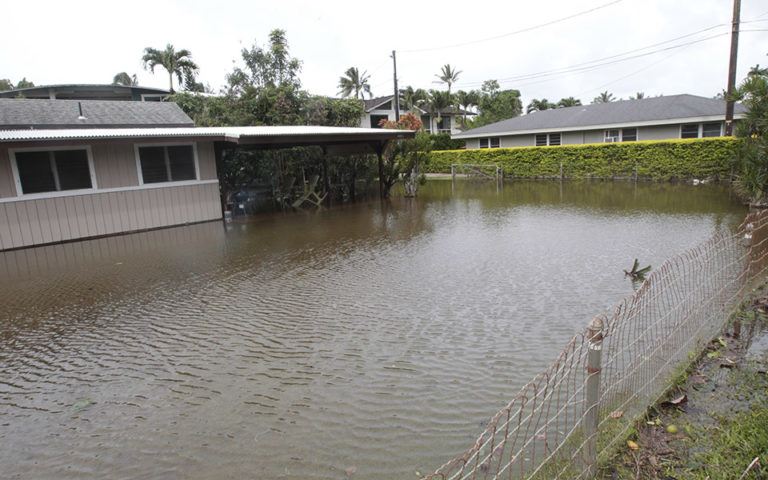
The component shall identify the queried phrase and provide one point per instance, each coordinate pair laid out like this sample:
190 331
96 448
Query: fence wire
576 412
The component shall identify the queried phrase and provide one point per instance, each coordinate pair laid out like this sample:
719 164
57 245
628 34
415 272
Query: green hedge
658 160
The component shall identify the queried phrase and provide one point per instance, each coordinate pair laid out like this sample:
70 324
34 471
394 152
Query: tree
604 97
405 157
568 102
177 63
538 105
414 98
191 84
353 82
448 75
5 84
438 102
123 78
334 112
495 104
24 83
638 96
465 101
752 156
270 67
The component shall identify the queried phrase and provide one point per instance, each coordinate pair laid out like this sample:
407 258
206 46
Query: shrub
657 160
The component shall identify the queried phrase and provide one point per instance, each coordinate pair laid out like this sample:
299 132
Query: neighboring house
89 92
81 169
383 108
657 118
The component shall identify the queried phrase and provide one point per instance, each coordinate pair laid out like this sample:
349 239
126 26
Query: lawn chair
310 195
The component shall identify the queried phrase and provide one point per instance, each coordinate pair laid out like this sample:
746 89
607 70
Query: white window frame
140 174
58 193
161 96
620 137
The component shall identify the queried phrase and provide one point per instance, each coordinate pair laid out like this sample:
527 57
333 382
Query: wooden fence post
591 419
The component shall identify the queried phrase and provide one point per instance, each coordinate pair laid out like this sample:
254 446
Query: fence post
591 419
453 173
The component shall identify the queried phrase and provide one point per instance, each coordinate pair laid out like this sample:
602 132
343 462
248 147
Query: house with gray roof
657 118
89 91
73 169
383 108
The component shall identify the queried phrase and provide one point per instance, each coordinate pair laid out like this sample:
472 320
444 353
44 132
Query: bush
443 141
657 160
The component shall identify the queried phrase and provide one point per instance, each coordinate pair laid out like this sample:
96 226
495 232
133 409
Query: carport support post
218 151
379 148
326 180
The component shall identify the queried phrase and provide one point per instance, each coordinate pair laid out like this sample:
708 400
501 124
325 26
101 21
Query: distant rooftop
18 114
655 110
374 103
86 91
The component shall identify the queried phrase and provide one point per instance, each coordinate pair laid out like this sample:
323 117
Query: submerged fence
575 414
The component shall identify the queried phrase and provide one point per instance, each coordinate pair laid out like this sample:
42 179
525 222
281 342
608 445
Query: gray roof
46 114
645 111
372 103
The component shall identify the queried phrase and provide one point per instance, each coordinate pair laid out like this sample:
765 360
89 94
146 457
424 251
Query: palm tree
354 82
413 98
465 101
638 96
123 78
438 102
604 97
448 75
177 63
568 102
538 105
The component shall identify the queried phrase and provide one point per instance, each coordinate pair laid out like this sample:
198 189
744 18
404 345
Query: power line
611 57
516 32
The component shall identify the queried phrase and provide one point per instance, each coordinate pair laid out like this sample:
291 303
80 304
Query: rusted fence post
591 419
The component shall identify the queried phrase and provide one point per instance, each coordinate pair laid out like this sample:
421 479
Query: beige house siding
26 223
115 165
660 132
118 204
7 185
206 160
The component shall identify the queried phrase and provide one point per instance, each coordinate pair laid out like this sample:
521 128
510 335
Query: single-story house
81 169
84 91
383 108
657 118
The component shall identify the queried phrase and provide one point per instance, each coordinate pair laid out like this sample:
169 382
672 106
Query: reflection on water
374 338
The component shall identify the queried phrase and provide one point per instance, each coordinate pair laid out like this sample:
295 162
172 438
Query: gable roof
656 110
45 114
374 103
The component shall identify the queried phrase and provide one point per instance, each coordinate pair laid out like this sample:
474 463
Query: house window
710 130
544 139
425 123
167 163
376 120
494 142
53 170
444 125
690 130
613 135
628 134
484 143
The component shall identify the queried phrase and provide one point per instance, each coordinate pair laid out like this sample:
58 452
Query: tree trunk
170 78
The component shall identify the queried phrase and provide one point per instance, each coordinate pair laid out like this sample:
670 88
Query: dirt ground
714 423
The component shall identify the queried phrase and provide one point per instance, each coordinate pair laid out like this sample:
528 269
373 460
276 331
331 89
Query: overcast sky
88 42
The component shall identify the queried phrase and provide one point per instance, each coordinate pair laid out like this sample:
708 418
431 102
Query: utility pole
397 91
729 105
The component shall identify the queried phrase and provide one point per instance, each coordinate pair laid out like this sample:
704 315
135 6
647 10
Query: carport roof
274 136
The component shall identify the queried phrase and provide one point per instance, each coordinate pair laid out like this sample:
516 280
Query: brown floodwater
369 340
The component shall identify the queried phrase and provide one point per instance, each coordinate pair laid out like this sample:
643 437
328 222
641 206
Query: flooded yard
367 341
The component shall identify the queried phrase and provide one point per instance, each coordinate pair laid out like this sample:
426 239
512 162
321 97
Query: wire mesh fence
576 412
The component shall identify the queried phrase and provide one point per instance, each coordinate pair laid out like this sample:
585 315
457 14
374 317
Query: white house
383 108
